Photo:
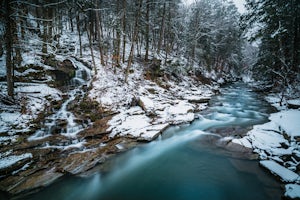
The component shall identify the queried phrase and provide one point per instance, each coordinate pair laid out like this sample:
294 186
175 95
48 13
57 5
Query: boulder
64 72
146 104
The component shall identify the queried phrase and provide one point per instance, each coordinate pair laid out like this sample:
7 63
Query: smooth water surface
178 165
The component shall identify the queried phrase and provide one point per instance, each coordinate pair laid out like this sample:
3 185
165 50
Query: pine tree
276 25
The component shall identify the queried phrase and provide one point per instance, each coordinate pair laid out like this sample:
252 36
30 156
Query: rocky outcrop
64 71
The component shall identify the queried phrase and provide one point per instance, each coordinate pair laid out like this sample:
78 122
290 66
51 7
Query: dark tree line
207 32
276 25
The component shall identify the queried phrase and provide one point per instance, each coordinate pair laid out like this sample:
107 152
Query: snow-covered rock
275 141
293 103
146 104
10 160
154 131
142 104
243 142
288 121
284 174
292 191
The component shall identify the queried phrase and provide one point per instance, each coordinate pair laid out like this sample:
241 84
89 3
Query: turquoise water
182 164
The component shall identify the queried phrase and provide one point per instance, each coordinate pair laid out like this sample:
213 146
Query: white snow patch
119 146
242 141
294 102
288 120
10 160
181 108
147 103
153 131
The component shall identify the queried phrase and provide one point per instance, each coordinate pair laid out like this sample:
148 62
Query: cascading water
179 166
63 116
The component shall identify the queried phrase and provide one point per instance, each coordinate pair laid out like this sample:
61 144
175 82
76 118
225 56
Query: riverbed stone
39 179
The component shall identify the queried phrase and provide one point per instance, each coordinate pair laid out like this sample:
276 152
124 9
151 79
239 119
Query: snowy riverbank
144 108
128 113
277 143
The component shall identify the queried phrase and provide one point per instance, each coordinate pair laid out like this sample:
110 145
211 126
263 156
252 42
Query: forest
82 81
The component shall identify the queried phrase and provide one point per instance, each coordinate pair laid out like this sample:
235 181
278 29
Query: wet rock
230 131
97 130
79 162
16 166
198 99
64 72
40 179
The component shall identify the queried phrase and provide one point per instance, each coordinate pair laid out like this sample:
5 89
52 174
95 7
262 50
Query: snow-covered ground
277 143
144 108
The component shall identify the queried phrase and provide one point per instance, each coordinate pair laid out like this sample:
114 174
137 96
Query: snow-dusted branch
38 6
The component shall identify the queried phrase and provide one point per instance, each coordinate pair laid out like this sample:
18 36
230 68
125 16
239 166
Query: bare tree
134 38
9 47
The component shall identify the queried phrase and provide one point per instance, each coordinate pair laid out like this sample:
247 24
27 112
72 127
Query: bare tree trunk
118 40
91 47
124 30
99 36
134 38
162 29
79 33
147 29
45 32
17 58
71 20
50 24
8 43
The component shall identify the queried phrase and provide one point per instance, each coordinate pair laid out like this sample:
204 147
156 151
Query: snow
75 145
243 141
33 98
147 102
153 131
142 104
274 100
294 102
11 160
181 108
133 122
2 66
288 120
268 138
292 191
276 140
285 174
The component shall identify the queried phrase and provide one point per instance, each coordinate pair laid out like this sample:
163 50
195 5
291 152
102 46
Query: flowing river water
186 162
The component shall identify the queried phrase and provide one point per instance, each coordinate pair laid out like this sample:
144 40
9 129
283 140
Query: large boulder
64 71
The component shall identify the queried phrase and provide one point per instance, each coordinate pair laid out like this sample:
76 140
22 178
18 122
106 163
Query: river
186 162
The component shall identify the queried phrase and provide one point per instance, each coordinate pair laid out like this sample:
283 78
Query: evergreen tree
276 25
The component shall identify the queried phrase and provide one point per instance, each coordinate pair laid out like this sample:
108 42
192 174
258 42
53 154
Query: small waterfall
63 121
